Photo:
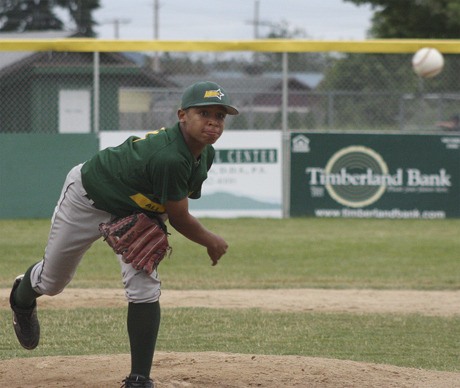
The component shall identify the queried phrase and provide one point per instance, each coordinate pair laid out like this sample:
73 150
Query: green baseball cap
207 93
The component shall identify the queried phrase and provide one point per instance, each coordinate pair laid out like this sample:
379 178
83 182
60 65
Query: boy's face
203 125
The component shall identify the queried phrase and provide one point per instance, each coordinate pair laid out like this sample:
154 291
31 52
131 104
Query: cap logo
214 93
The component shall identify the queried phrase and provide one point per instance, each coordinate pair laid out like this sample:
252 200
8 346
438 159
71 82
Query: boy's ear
181 115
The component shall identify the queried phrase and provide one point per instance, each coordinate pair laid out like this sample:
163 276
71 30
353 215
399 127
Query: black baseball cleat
137 381
25 321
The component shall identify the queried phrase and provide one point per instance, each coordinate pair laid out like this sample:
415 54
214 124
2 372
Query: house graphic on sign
301 143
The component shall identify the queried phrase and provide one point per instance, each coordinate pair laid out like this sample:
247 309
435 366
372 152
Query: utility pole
156 34
116 25
256 22
256 18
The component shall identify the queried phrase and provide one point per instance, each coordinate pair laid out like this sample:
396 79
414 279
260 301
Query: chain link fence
79 92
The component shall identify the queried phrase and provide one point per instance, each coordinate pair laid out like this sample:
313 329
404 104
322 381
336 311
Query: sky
230 19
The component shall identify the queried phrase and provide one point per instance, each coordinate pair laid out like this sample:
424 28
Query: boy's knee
140 287
45 285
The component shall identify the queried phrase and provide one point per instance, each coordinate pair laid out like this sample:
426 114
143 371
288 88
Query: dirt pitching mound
219 370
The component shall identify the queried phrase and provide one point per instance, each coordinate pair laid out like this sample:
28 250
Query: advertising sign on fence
245 179
375 175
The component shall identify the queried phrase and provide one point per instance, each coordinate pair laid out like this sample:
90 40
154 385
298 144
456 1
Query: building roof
8 58
263 89
13 61
51 34
256 83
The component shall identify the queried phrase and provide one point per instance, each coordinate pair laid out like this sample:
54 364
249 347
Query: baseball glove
139 239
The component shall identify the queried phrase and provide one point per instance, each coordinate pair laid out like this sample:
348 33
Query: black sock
143 325
24 296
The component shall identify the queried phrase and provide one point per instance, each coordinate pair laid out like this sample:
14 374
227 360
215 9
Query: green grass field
293 253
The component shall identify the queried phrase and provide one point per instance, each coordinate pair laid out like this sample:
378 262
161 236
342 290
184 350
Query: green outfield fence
70 86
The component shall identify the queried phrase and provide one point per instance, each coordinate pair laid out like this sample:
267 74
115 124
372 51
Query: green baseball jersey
142 174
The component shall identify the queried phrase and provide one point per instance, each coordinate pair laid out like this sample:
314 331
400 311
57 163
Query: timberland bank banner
244 180
375 175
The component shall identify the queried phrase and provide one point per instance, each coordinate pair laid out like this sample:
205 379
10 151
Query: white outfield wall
245 179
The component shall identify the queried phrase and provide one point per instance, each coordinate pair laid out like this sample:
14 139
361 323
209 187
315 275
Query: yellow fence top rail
389 46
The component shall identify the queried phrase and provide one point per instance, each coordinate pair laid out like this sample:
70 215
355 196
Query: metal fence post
96 94
286 167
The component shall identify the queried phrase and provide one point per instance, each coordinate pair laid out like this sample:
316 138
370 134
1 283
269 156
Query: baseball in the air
427 62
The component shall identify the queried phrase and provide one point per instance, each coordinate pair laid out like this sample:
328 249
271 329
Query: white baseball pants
74 228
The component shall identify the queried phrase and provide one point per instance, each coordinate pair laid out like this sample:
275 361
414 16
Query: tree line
41 15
